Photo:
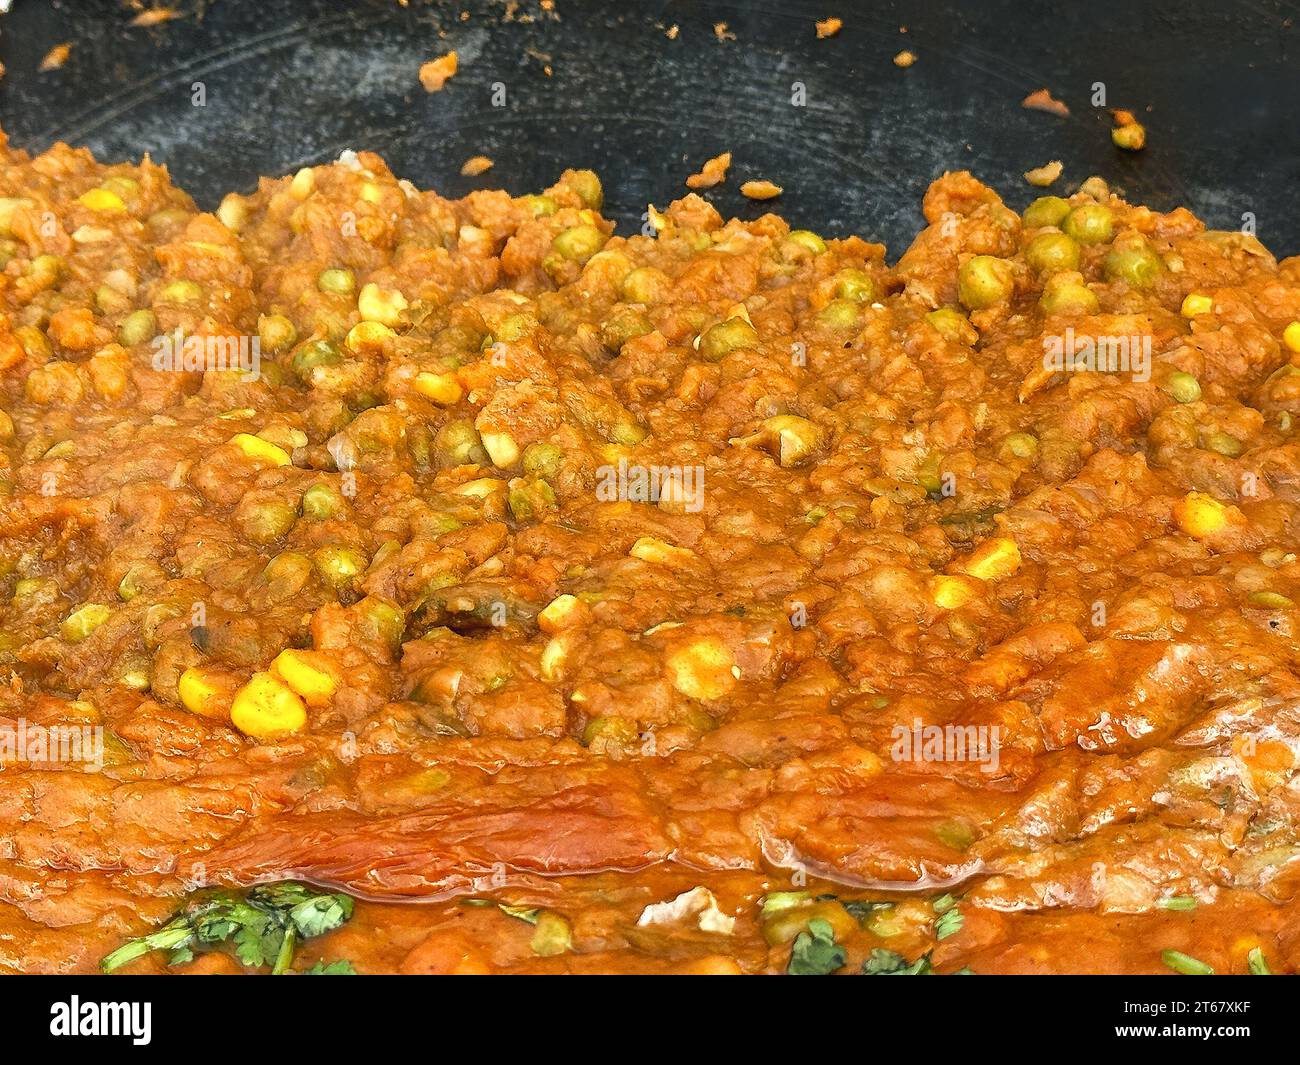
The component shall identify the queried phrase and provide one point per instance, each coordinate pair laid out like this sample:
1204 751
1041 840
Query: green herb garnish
263 926
815 952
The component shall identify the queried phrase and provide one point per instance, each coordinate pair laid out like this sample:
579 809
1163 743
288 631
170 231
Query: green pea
1022 445
321 502
266 520
275 332
808 240
587 185
1090 223
312 354
646 285
1045 211
579 242
856 285
1133 261
459 443
839 314
541 206
624 324
1051 252
180 292
109 300
336 280
719 340
603 733
339 565
138 327
543 460
1066 293
951 323
1183 387
381 620
984 280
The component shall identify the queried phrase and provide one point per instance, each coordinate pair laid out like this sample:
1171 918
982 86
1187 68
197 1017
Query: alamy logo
1067 353
948 743
175 352
632 483
74 1017
37 744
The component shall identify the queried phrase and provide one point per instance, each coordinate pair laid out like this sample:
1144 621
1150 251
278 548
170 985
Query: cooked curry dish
391 583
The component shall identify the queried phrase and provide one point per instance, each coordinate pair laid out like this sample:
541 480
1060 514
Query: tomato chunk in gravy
724 599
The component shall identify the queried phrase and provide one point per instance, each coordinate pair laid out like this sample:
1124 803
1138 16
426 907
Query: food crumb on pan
56 57
829 27
1128 133
1044 175
672 32
1042 100
435 73
761 190
721 32
475 165
904 59
713 172
154 16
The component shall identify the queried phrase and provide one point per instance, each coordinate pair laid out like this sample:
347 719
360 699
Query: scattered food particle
1128 133
1042 100
904 59
1044 175
829 27
761 190
721 32
56 57
435 73
478 164
154 16
713 172
672 32
2 70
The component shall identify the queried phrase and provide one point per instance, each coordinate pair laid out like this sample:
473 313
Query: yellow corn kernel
994 559
562 612
371 193
556 653
102 200
382 305
257 448
302 184
204 692
501 449
267 707
232 212
952 593
1200 515
368 336
442 388
1195 304
309 673
703 669
1291 336
652 549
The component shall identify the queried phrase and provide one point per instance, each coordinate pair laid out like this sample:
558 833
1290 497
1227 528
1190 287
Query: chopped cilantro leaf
890 963
334 968
815 952
949 923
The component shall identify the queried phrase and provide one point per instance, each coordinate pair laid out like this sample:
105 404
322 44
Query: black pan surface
292 82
